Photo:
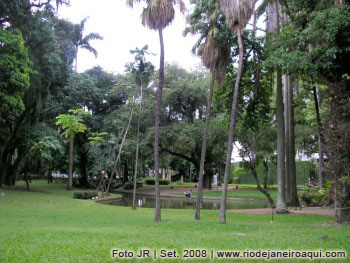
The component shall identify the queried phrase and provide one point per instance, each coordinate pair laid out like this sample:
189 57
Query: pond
181 203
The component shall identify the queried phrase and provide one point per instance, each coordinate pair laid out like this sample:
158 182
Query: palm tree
215 55
157 15
80 41
274 26
237 13
141 71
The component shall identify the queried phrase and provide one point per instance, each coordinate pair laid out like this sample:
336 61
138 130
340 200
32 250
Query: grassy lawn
47 225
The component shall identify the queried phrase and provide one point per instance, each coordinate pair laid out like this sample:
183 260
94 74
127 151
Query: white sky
122 31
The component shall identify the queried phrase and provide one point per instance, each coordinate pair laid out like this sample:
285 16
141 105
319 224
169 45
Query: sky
122 31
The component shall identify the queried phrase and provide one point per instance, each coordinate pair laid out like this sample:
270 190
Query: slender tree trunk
26 179
317 99
157 216
232 127
281 199
125 173
70 166
258 185
294 200
266 174
76 59
287 135
204 149
137 147
136 166
114 171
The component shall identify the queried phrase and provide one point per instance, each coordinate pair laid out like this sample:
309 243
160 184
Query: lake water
177 203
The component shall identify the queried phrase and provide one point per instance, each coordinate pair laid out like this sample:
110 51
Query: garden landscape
174 131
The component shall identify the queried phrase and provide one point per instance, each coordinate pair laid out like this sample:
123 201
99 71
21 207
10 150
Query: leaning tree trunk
197 215
114 171
70 165
258 185
232 127
157 216
317 100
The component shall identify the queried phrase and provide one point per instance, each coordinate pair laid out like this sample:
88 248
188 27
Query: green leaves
72 123
97 138
15 68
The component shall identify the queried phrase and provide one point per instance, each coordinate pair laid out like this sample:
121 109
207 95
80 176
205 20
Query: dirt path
322 211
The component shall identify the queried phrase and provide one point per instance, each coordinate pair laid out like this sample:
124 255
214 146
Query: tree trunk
26 179
157 216
232 127
137 147
125 173
266 174
83 180
204 149
70 165
286 79
114 170
262 190
76 59
281 199
294 200
317 99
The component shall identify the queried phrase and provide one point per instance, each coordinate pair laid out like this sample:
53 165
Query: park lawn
48 225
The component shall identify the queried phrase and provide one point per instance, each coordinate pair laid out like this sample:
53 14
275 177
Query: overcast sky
122 30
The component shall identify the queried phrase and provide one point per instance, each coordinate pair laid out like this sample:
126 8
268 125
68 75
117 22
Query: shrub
130 185
84 195
151 181
180 183
314 196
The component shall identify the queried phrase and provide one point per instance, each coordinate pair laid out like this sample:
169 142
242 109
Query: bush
130 185
151 181
84 195
314 196
236 180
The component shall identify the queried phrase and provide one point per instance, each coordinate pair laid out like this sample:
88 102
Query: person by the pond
189 194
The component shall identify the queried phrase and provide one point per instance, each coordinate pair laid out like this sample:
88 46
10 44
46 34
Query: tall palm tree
206 19
157 15
237 13
274 26
81 41
141 70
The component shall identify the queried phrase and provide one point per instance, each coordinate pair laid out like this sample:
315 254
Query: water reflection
175 203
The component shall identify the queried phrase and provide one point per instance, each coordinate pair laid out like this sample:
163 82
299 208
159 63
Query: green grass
48 225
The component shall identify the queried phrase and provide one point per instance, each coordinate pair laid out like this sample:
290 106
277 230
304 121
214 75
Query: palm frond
237 12
92 36
89 48
158 14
